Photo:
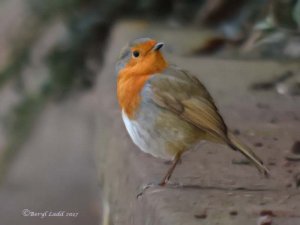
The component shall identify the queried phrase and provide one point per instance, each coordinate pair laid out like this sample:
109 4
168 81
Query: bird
167 110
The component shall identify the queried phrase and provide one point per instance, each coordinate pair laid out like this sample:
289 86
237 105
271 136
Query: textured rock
207 173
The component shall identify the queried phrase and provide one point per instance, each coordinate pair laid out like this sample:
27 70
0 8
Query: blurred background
51 55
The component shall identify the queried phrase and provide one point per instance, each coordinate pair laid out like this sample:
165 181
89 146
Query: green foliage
48 8
22 116
65 65
19 123
296 13
15 67
20 54
68 64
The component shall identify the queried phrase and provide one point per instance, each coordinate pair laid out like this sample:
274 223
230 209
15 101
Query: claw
145 188
157 185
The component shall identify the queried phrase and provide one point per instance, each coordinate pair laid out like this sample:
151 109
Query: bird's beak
158 46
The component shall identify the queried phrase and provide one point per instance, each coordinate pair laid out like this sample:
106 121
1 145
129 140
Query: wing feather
183 94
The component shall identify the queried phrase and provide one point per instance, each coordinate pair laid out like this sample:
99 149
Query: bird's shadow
155 188
218 188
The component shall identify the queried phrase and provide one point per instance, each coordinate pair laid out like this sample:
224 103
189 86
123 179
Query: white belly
148 143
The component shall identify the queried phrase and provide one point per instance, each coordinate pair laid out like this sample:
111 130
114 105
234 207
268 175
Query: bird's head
141 57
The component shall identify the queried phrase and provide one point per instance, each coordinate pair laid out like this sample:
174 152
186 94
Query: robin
166 110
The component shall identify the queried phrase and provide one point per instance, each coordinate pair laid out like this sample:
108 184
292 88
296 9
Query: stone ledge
216 191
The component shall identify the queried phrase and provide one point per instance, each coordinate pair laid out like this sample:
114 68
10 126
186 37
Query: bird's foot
146 187
157 185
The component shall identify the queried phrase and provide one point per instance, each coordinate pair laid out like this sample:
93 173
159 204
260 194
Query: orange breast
129 89
132 79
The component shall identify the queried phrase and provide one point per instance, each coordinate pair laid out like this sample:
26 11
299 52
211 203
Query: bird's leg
167 177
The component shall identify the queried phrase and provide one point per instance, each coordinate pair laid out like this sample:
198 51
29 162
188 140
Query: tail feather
248 153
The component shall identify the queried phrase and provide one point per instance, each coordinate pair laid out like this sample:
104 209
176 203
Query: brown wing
183 94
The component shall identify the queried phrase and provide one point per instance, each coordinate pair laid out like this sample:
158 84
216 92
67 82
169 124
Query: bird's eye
136 54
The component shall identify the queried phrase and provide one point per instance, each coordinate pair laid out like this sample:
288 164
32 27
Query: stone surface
211 183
